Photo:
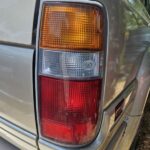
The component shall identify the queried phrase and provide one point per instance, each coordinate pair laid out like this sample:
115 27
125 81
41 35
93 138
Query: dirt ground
144 134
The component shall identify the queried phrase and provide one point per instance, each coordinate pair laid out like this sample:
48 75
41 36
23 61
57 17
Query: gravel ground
144 134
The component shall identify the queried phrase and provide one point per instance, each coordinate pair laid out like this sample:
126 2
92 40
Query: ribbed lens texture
69 109
71 26
70 64
70 71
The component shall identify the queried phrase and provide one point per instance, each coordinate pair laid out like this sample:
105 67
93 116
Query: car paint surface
16 87
125 46
16 21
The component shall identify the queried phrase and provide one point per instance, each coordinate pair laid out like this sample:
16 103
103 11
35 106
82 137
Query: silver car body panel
16 21
143 90
125 50
16 87
130 133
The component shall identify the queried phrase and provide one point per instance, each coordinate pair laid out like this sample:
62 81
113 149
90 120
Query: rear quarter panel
16 86
125 47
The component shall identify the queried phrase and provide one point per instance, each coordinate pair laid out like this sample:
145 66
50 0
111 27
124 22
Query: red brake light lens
69 109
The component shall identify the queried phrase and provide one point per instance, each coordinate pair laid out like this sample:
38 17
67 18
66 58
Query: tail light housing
70 71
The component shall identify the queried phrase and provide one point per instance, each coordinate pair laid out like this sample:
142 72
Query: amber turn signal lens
71 26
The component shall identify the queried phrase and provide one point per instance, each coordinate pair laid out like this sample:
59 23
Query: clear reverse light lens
70 64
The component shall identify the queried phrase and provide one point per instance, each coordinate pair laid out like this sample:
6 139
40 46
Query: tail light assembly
70 71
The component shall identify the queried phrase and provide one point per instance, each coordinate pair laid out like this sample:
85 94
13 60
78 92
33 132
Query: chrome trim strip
17 45
117 137
16 141
17 132
132 86
133 124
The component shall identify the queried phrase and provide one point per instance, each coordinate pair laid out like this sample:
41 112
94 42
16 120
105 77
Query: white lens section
70 64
